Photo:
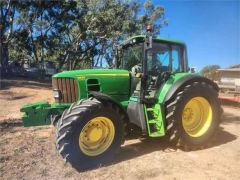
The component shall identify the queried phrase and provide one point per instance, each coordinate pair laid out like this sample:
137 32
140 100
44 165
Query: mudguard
186 80
105 97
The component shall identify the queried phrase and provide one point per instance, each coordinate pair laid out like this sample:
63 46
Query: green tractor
151 89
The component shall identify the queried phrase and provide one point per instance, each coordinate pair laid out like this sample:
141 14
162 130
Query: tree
114 21
210 71
79 34
7 15
234 66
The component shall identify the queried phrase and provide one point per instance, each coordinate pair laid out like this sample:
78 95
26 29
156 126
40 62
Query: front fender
105 97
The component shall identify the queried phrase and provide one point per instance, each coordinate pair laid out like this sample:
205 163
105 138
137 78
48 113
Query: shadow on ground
20 82
230 118
141 148
8 124
10 96
148 146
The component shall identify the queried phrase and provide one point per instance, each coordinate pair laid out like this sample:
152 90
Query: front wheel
89 133
193 116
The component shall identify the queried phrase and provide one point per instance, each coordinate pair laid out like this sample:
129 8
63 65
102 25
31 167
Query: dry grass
29 153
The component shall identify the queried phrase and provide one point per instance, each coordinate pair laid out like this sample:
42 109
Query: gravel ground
29 153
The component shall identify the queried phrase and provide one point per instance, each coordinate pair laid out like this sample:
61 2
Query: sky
210 29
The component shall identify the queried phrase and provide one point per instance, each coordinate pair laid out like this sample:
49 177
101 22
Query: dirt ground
29 153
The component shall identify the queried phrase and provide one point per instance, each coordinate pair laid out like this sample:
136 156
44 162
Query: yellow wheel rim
96 136
197 116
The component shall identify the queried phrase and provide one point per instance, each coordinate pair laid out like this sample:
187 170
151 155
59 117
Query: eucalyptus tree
7 17
79 34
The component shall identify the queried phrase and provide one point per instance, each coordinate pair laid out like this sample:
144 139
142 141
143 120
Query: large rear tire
193 116
89 133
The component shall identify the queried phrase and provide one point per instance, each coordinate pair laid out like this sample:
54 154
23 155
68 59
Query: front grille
68 89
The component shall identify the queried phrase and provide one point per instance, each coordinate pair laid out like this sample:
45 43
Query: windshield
164 57
132 55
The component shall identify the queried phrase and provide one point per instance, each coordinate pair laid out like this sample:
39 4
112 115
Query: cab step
154 121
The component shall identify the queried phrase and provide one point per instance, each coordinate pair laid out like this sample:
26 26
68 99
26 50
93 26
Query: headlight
56 94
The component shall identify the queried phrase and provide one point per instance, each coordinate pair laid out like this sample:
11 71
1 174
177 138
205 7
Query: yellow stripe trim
125 75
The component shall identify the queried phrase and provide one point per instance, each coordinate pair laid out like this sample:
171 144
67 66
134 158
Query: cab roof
155 38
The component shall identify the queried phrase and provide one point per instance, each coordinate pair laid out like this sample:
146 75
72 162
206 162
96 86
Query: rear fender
188 80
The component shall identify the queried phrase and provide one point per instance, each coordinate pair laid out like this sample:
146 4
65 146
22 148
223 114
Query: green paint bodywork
157 109
113 82
37 114
155 38
157 121
172 80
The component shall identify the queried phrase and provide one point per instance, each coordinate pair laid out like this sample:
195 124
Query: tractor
151 88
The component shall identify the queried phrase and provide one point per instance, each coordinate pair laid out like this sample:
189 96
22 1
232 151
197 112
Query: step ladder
155 124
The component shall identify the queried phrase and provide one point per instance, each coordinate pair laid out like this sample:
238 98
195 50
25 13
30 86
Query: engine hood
92 72
113 82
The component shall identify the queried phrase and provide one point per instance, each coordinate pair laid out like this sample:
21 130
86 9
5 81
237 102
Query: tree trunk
4 58
34 49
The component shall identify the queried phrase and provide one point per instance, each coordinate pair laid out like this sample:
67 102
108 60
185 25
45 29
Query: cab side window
176 58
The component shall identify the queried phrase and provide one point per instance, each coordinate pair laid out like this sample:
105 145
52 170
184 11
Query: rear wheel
193 116
89 133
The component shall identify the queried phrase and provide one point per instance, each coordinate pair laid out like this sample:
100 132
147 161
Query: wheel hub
197 116
96 136
188 114
93 133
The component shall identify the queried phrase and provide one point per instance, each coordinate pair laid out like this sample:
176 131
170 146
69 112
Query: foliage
234 66
76 34
132 56
7 14
210 71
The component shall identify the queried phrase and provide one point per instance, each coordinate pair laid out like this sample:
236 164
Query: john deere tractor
151 89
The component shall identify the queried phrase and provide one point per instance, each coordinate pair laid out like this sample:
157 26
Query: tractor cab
152 61
152 64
